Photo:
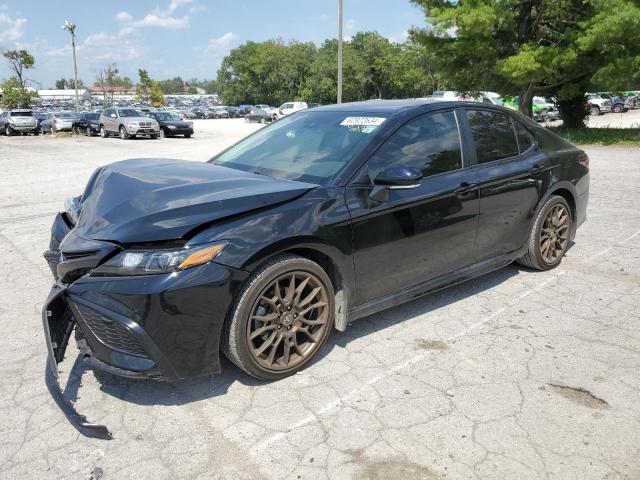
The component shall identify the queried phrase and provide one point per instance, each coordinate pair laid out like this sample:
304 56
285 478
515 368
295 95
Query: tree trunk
525 105
573 111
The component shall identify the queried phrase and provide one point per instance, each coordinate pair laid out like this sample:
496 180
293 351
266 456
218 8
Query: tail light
583 159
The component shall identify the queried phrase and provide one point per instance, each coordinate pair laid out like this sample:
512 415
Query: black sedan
171 125
87 123
257 115
321 218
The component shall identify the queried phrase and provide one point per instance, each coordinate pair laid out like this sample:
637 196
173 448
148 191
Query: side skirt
433 285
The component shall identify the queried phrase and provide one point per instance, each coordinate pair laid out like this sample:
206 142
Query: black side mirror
395 177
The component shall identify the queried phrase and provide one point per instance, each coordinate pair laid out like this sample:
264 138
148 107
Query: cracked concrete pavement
517 374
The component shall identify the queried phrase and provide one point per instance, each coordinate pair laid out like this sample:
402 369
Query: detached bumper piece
58 323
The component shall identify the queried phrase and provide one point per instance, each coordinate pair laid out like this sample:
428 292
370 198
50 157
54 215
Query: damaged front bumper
58 325
159 327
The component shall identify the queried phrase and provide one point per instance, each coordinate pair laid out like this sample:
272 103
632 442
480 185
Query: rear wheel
8 131
281 319
618 108
103 132
549 236
88 131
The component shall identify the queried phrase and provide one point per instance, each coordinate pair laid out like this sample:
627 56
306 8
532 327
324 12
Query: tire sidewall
552 202
248 296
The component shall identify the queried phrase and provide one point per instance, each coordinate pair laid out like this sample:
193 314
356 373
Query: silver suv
18 121
127 123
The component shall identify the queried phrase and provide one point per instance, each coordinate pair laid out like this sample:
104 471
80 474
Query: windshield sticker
362 124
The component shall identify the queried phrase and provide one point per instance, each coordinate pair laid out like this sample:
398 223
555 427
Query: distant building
62 95
98 90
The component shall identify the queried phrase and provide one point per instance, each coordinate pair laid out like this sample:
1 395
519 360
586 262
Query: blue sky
188 38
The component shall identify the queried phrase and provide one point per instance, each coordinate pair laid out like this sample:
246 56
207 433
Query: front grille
145 124
111 333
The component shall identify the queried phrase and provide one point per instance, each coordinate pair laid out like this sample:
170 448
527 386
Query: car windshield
92 116
129 112
21 114
166 116
308 146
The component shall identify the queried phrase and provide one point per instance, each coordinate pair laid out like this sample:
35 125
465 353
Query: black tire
8 131
153 136
594 111
88 132
534 257
618 108
235 342
187 135
163 134
124 135
103 132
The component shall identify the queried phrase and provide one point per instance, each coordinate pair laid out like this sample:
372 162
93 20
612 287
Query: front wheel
124 135
8 131
618 108
103 132
550 235
88 132
187 135
594 111
281 319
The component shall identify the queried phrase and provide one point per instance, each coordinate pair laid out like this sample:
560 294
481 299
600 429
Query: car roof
392 106
380 105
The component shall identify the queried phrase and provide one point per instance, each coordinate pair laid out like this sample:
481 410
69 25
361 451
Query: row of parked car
127 122
120 121
546 109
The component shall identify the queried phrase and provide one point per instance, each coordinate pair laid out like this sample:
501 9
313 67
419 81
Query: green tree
533 47
19 61
108 81
14 95
61 84
149 90
173 85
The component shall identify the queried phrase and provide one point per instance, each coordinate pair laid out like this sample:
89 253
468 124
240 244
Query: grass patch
600 136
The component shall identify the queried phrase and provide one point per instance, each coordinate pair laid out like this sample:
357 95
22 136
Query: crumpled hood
148 200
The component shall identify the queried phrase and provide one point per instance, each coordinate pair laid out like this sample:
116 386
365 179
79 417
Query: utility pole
339 51
71 27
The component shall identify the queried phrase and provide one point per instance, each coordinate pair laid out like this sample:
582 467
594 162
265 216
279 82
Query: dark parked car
323 217
258 115
618 104
171 124
244 109
234 112
87 123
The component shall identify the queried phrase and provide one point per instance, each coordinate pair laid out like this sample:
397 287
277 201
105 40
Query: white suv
287 109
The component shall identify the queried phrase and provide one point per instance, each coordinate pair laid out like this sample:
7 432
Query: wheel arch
567 191
336 264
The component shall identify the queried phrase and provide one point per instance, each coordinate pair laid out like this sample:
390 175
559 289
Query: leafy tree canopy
533 47
14 95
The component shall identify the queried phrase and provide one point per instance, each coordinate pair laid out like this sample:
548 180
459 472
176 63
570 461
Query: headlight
148 262
132 124
172 126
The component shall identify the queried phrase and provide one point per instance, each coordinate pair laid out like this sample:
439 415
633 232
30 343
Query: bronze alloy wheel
554 234
288 321
550 235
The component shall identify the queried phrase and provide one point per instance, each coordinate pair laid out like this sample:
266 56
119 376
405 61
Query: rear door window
493 135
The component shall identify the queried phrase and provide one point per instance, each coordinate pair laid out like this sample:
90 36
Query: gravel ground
629 119
515 375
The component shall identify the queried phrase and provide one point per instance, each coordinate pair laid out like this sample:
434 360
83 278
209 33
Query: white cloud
11 29
124 17
161 21
159 18
220 45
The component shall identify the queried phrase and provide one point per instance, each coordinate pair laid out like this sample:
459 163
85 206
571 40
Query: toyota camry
323 217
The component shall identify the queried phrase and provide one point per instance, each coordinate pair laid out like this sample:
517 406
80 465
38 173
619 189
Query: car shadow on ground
149 392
